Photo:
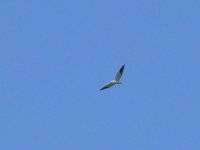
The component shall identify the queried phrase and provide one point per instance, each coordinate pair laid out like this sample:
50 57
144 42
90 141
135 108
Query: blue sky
56 55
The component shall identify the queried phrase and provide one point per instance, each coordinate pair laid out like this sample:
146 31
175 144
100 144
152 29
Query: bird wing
107 86
119 73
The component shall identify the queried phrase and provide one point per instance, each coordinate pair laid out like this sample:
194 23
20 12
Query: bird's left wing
119 73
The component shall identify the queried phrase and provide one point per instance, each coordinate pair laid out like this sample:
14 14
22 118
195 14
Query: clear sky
56 55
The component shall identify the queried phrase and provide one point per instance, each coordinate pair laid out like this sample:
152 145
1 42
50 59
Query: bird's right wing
107 86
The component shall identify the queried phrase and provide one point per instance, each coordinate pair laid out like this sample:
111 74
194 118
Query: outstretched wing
119 73
107 86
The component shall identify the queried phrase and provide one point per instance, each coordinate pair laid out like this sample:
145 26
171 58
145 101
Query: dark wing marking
107 86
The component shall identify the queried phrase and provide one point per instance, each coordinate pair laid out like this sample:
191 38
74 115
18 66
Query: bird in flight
116 80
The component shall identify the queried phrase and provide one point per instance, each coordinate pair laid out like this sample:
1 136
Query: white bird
116 80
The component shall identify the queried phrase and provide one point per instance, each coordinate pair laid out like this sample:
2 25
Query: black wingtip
122 68
103 88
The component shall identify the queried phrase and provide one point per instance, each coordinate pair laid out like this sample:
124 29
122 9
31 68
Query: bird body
116 80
